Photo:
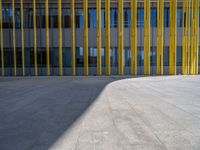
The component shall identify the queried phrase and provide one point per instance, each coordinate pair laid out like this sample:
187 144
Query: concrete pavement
100 113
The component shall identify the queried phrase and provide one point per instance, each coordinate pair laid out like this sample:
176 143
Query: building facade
99 37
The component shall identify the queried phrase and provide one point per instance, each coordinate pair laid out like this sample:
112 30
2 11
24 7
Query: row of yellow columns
189 37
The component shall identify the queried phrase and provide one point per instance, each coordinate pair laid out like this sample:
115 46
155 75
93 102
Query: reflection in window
79 57
166 56
140 56
179 17
66 17
166 17
179 56
102 18
55 18
6 17
41 57
113 17
140 17
113 57
153 56
92 57
17 18
127 17
79 18
127 57
67 57
92 18
153 17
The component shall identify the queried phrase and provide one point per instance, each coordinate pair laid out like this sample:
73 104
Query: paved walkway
100 113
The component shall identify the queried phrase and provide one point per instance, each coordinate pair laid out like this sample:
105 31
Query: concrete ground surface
100 113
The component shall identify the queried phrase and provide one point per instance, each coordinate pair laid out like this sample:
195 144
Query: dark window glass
153 56
179 56
67 57
140 17
103 18
127 57
79 18
113 17
41 57
103 58
179 17
127 17
55 18
166 56
38 16
140 56
66 15
8 57
79 57
7 17
92 57
153 17
113 57
166 17
17 18
19 57
54 57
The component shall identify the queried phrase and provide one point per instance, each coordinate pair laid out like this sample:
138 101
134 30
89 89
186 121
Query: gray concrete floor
100 113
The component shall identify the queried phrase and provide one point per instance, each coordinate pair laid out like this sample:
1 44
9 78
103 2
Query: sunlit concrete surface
100 113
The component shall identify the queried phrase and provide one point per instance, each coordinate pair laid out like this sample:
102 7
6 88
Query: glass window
8 57
140 56
79 57
103 18
113 17
92 18
166 17
55 18
54 57
179 56
41 57
6 17
67 57
79 18
92 57
140 17
103 58
166 56
66 15
153 56
127 57
179 17
127 17
113 57
153 17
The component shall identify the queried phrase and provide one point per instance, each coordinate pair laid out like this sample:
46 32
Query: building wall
79 32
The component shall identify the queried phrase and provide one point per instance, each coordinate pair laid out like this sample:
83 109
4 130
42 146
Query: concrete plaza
100 113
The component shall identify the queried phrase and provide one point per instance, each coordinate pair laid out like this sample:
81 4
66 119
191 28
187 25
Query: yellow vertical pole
134 37
172 47
35 37
14 38
60 37
147 37
185 36
107 33
194 37
86 71
1 38
98 5
73 48
47 37
160 34
120 38
22 37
